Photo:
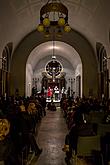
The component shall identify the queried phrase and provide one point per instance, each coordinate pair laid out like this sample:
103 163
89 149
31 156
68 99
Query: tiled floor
51 137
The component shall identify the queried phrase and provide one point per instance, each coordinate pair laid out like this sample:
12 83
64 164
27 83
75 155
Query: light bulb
40 28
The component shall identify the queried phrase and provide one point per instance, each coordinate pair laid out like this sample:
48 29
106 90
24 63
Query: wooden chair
102 129
86 145
96 117
2 163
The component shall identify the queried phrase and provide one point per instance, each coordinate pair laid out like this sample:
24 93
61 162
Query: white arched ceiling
89 17
40 55
62 49
64 61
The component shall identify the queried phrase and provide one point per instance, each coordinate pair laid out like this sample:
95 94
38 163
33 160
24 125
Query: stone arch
42 54
75 39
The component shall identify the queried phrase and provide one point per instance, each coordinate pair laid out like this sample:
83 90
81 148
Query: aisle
51 138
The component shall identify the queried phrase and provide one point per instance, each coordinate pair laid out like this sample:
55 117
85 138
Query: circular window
53 67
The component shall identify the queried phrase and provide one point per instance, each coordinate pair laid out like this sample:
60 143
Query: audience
77 113
22 114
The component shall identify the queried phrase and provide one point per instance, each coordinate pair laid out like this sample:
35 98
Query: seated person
106 119
7 149
72 136
78 128
53 107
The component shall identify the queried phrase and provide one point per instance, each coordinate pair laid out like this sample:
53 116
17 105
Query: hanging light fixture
53 60
53 20
53 68
53 14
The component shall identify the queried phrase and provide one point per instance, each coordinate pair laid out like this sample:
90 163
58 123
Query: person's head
21 102
78 117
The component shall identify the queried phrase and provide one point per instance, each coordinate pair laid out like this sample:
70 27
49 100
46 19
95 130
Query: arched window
103 71
6 57
5 69
102 57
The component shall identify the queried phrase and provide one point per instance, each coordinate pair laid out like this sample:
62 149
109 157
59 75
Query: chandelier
53 68
53 14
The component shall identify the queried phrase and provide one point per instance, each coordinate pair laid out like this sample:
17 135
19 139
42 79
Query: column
108 64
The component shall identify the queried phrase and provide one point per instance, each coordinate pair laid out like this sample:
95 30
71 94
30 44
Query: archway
76 40
42 54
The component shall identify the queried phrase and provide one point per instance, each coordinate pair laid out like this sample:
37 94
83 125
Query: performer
56 91
49 93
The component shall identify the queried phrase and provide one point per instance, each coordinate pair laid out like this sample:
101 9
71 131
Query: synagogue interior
54 82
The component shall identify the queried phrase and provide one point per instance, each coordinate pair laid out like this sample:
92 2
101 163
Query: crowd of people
19 119
75 112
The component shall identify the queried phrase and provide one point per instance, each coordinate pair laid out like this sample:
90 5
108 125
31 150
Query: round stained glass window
53 67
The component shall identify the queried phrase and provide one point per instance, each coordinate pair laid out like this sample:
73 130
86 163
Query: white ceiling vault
60 49
91 18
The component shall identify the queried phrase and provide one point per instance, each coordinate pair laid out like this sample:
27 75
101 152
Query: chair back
86 130
96 117
86 145
102 129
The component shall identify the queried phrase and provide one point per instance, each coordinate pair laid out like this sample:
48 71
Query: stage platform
57 102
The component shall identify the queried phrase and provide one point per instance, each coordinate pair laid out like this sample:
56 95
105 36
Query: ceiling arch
18 18
75 39
60 49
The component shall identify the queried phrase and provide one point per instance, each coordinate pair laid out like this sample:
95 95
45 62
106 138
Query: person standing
49 93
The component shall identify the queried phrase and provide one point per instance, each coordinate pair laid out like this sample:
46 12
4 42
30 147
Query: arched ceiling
60 49
89 17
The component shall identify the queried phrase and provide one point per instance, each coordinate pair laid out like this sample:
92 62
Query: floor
51 137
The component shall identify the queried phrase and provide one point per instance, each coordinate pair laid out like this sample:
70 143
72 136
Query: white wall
78 72
38 75
70 75
29 76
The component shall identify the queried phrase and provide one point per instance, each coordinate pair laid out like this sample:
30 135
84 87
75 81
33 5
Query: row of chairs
95 117
90 146
103 129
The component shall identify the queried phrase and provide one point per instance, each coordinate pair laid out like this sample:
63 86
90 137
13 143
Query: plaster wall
29 76
82 46
78 72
